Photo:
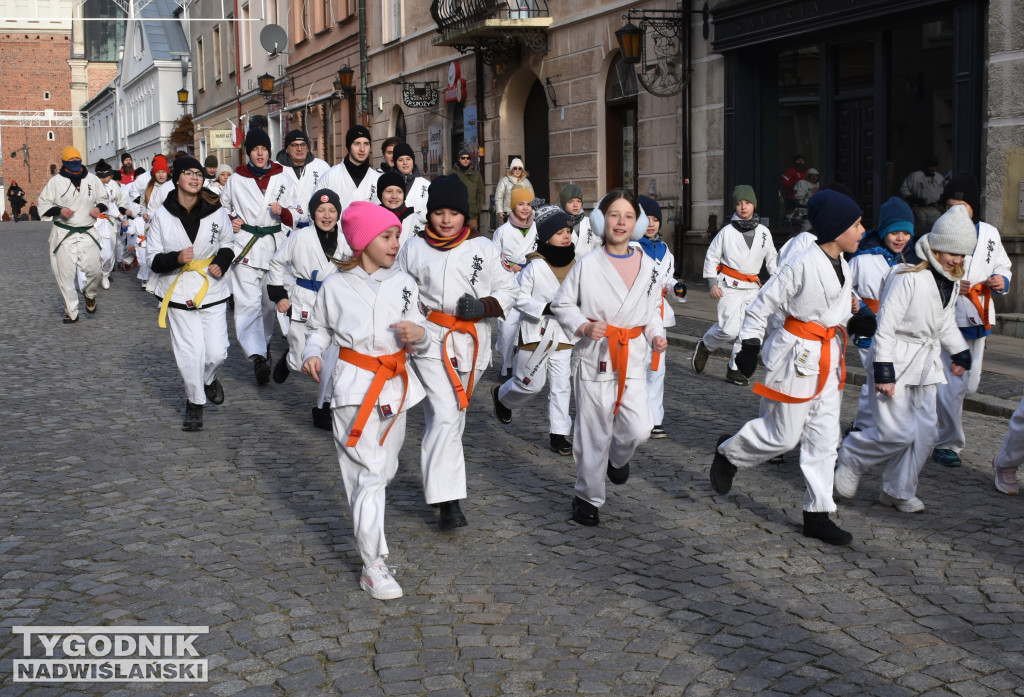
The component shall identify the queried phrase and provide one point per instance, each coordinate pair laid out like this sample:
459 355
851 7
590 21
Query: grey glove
469 307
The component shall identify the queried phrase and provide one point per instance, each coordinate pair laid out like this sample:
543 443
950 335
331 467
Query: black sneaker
735 377
193 417
560 444
214 392
68 320
584 512
618 475
820 527
503 413
658 432
699 361
451 516
281 369
261 368
322 417
722 471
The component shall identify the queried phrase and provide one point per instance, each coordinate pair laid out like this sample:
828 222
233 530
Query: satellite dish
274 39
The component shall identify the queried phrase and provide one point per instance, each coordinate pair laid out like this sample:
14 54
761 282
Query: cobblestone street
111 515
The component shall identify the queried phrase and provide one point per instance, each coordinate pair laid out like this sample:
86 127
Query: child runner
610 302
414 184
665 265
543 348
190 243
517 237
802 390
987 270
392 197
731 266
307 254
878 252
917 315
371 311
583 237
461 282
148 188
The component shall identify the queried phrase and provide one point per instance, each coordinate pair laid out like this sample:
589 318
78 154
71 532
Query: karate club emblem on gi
478 266
406 298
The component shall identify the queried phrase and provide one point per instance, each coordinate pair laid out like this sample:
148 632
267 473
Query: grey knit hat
954 233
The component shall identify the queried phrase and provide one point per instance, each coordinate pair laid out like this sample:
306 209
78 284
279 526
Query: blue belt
310 283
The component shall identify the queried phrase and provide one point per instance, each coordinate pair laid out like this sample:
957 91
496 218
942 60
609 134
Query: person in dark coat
16 195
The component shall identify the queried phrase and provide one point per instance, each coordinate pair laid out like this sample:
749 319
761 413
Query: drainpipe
238 83
364 90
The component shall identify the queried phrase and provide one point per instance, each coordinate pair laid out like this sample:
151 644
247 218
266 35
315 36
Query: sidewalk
1002 380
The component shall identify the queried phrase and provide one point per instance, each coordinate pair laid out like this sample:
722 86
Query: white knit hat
954 233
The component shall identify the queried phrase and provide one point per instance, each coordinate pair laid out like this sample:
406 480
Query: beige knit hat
954 233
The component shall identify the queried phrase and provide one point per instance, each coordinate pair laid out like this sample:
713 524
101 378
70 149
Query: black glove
746 359
862 325
547 310
962 359
885 373
469 307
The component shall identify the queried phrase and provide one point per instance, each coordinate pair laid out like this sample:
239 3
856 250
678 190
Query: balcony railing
496 29
453 16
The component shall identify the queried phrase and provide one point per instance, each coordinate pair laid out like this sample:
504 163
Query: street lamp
183 99
661 72
630 38
343 83
266 83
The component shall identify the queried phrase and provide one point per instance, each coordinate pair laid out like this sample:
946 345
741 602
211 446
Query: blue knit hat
650 206
831 214
895 216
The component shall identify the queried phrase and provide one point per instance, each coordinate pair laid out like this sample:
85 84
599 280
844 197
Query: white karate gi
340 182
584 239
514 248
807 289
546 364
199 336
594 291
356 310
312 180
989 259
107 229
473 267
416 197
730 249
869 273
254 312
666 269
78 247
1011 454
912 323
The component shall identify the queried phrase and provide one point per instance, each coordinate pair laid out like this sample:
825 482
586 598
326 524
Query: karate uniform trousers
950 398
79 251
731 307
254 312
199 339
555 371
1012 452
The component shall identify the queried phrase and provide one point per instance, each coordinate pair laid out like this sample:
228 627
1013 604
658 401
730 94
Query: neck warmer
400 213
357 172
557 257
574 220
522 226
654 248
445 243
871 244
407 180
746 225
258 172
328 240
75 177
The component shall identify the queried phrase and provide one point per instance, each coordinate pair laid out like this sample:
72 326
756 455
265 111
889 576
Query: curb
976 403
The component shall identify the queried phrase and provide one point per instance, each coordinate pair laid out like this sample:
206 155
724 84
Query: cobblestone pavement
111 515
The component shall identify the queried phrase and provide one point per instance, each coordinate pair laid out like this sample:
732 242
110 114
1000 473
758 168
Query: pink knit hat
362 221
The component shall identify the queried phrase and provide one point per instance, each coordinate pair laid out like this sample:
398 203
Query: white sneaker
846 481
378 582
911 505
105 283
1006 480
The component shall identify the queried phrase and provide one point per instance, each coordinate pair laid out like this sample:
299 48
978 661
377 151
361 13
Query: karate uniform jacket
167 234
303 188
594 291
538 287
340 182
474 267
913 326
666 270
107 229
416 196
989 259
303 256
794 246
585 239
60 192
243 199
513 245
347 313
729 248
807 289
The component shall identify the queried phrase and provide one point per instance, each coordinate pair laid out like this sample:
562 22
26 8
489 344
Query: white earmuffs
597 223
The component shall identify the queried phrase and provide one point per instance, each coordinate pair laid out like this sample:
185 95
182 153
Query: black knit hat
831 214
324 196
294 135
650 206
102 169
125 156
254 138
403 149
357 131
183 163
549 220
211 161
390 178
964 187
448 192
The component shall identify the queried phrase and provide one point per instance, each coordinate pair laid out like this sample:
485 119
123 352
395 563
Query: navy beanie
254 138
357 131
448 192
324 196
895 216
831 214
549 220
650 207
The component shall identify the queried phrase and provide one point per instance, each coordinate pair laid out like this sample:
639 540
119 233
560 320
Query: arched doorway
535 141
621 126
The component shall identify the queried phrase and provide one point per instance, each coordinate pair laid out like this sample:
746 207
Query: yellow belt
199 265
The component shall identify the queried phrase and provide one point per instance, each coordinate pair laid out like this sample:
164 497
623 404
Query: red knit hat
160 163
362 221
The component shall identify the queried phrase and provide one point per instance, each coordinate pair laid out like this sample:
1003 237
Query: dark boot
214 392
722 471
451 516
821 527
560 444
193 417
322 417
618 475
503 413
261 368
584 512
281 369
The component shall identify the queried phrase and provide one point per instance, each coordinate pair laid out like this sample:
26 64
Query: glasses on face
464 157
191 173
517 169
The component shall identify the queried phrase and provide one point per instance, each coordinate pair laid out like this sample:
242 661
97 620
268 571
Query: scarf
654 248
400 213
574 220
746 225
75 177
328 240
445 243
357 172
871 244
560 259
258 172
523 227
407 180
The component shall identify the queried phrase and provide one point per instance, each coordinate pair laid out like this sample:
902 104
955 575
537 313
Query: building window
218 62
49 135
244 38
46 96
199 70
231 48
392 20
621 125
53 169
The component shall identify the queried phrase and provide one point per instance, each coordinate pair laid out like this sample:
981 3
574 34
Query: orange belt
814 332
739 276
656 358
384 368
618 352
980 296
871 303
466 326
